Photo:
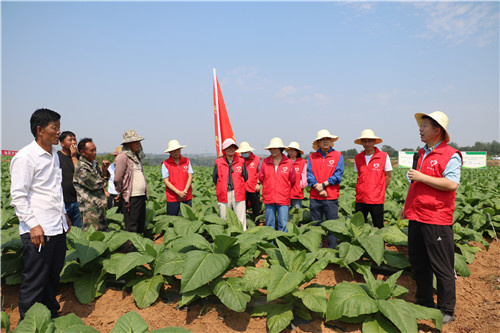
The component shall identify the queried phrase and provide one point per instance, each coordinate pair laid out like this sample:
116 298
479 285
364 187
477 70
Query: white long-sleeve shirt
36 190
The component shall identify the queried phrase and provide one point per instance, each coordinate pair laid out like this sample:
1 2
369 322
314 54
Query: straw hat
440 118
131 136
275 143
294 145
117 150
368 134
323 134
173 145
228 143
244 147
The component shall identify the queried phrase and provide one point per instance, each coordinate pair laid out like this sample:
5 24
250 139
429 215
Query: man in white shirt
37 198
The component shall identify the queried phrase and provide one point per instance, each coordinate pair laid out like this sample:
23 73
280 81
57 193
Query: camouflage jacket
89 185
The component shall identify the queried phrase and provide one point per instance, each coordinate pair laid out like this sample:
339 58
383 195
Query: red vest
299 165
177 176
370 187
323 168
237 175
424 203
277 185
252 165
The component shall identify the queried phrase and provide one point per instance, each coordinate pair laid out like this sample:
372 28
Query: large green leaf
378 324
461 266
393 235
349 253
5 321
279 316
185 227
400 313
89 250
146 292
349 299
396 259
422 312
88 286
199 242
72 323
281 282
188 213
311 240
313 297
200 267
116 240
231 293
142 243
131 322
255 278
337 227
222 243
169 263
189 296
374 246
36 320
120 265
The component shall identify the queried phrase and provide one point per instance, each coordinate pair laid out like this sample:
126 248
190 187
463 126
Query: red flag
223 129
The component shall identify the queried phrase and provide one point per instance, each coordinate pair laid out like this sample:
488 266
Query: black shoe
448 318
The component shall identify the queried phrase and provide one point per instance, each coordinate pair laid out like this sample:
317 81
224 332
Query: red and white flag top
223 129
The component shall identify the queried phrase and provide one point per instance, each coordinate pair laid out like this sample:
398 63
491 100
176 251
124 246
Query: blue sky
286 69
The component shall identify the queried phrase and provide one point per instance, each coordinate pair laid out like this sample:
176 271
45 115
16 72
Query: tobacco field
198 257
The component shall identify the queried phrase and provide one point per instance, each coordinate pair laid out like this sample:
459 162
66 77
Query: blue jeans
74 214
296 203
282 212
330 210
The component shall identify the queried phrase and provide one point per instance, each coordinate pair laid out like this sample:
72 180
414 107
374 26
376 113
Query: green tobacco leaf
396 259
337 227
36 320
200 267
378 324
468 251
461 266
222 243
199 242
393 235
121 265
89 250
374 246
171 330
116 240
313 297
255 278
232 220
281 282
201 292
383 291
311 240
286 254
422 312
72 323
349 299
188 213
169 263
186 227
147 291
279 316
231 294
141 243
315 268
88 286
5 321
131 322
349 253
215 219
400 313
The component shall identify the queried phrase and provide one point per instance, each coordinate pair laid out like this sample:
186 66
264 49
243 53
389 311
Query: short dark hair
82 143
42 118
435 124
299 155
65 134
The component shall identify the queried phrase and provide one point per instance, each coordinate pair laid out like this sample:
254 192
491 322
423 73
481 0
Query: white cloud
457 22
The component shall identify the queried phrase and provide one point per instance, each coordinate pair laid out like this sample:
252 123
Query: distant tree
389 150
407 149
349 152
491 148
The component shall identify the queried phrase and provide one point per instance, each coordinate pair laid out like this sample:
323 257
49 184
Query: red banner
9 152
223 129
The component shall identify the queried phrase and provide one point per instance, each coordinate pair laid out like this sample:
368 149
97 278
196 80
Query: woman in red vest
229 176
177 175
429 206
277 176
300 166
374 175
252 164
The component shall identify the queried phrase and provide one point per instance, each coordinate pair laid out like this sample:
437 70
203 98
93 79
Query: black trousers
134 216
330 210
40 277
113 203
376 211
253 201
432 252
174 207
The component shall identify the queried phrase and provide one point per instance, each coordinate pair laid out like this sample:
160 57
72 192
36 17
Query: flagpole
217 116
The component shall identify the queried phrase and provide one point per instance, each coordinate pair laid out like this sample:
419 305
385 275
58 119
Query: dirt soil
477 309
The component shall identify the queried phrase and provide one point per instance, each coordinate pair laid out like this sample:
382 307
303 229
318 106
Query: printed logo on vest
376 165
252 164
296 169
185 168
238 168
433 163
284 170
332 162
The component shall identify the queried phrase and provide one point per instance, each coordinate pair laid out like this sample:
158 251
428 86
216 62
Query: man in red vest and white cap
229 176
374 175
429 206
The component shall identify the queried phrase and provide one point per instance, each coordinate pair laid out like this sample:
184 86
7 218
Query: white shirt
36 190
387 167
111 183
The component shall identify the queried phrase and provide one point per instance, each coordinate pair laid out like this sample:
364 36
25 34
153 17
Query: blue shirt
453 167
334 179
164 170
